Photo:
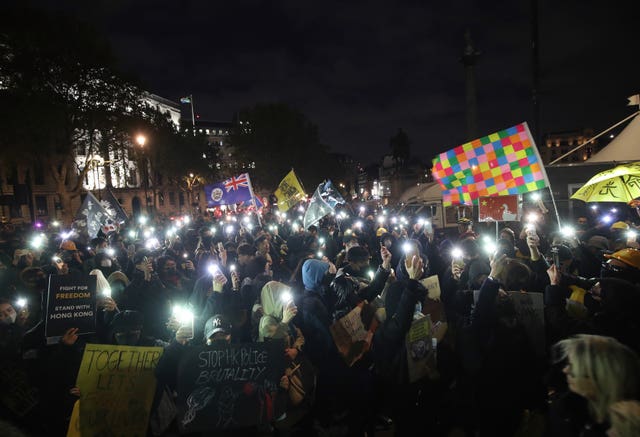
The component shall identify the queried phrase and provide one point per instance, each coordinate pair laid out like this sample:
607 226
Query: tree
61 95
269 139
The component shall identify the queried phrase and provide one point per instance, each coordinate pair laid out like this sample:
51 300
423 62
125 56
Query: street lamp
142 140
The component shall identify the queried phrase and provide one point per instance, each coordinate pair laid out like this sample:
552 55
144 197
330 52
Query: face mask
105 263
127 338
10 319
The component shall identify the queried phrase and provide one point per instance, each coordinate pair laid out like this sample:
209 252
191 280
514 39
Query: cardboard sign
420 358
530 312
117 384
227 386
71 303
499 208
350 334
432 284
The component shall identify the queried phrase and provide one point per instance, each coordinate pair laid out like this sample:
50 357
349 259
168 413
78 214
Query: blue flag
323 202
249 202
234 190
113 207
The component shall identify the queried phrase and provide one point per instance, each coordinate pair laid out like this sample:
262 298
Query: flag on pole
323 202
289 191
90 217
502 163
256 200
633 100
185 99
113 208
229 192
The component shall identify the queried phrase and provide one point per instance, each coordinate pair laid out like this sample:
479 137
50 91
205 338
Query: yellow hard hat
630 257
381 231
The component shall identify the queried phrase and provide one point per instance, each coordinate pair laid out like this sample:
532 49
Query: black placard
229 386
71 303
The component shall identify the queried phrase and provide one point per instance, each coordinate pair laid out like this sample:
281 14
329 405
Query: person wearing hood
279 310
126 329
389 354
314 320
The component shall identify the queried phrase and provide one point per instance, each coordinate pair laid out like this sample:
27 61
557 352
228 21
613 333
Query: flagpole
253 199
193 117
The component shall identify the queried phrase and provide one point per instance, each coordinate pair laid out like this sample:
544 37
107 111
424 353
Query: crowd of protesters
232 272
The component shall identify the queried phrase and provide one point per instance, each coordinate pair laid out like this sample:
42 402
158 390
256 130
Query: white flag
634 100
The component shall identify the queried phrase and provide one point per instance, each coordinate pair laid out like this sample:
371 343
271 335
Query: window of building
41 205
181 198
172 198
161 198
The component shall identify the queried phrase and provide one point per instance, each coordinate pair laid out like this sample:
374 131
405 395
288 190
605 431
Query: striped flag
502 163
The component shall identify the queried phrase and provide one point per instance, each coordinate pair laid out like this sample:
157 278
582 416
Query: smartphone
555 253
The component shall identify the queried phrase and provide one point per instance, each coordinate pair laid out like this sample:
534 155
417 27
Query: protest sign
499 208
420 359
117 384
227 386
530 312
71 303
351 336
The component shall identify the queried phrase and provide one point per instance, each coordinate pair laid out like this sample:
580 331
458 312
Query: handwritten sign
351 336
530 312
227 386
71 303
117 384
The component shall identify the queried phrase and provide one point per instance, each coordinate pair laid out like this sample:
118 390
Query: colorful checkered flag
502 163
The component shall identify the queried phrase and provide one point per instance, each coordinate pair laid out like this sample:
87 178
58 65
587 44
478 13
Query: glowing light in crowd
371 274
568 231
535 197
147 233
250 226
607 218
380 219
232 267
343 215
613 210
213 269
286 296
142 220
186 219
489 247
229 229
21 302
594 207
185 255
38 225
320 254
132 234
213 229
632 235
301 208
66 235
37 241
456 253
421 221
110 251
246 219
152 243
532 217
407 247
55 223
170 232
362 209
358 224
394 220
183 315
321 241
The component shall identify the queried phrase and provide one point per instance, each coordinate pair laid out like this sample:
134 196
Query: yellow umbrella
620 184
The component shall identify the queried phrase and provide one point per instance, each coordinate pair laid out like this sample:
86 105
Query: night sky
362 69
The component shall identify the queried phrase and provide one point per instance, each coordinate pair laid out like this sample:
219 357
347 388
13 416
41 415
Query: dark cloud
362 69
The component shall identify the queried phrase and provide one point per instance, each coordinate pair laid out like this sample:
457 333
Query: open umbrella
620 184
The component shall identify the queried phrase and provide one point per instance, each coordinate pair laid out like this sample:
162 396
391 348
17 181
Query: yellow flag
289 191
